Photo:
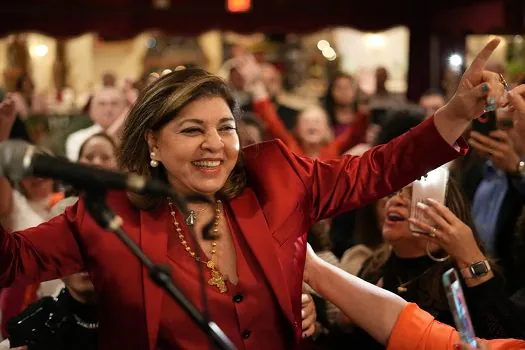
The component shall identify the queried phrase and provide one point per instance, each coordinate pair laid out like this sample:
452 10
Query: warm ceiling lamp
238 5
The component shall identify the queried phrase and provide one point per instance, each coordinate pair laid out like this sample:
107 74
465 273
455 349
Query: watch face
479 269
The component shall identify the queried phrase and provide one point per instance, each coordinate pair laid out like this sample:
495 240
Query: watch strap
473 270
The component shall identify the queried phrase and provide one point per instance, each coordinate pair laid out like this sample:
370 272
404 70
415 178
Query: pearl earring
153 163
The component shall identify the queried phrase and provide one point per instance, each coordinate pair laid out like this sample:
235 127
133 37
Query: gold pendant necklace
217 278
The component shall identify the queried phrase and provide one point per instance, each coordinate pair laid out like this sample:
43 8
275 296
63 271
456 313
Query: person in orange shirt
388 318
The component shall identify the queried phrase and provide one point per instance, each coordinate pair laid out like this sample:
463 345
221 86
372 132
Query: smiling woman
182 129
187 133
201 151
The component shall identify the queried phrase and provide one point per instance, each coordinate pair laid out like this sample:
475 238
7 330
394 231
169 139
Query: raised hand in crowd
498 147
453 236
478 90
250 70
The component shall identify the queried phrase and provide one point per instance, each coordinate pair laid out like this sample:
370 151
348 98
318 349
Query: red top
352 136
247 313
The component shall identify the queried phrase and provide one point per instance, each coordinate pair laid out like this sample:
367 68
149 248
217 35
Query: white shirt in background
76 139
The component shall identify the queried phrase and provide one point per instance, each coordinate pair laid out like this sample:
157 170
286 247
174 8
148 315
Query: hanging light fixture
238 6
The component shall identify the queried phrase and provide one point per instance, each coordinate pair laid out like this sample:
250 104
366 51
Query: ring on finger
503 82
433 232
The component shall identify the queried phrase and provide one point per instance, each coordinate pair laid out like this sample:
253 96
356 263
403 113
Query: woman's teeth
207 163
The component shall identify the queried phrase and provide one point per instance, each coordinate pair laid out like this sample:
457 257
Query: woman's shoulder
270 165
265 150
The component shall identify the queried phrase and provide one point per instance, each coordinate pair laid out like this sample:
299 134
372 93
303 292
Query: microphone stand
160 274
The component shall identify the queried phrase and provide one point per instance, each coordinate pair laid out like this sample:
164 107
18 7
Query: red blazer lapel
250 218
154 243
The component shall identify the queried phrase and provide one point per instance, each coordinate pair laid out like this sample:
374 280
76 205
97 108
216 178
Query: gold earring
153 163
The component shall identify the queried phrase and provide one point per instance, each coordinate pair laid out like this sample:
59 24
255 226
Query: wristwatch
479 269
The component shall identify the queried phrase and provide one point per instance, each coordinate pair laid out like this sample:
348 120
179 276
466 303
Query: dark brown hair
329 101
157 105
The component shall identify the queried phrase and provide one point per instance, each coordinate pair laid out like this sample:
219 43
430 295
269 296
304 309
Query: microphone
19 159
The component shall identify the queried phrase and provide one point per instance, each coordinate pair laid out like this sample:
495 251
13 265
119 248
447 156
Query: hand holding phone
434 186
459 309
486 123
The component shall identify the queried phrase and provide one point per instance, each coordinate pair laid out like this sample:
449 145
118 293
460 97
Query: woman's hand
250 70
498 148
516 98
450 233
478 91
248 67
308 314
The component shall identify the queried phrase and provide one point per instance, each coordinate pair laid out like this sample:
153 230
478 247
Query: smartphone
486 123
434 186
459 309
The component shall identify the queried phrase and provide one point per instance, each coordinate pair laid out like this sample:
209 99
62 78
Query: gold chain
217 278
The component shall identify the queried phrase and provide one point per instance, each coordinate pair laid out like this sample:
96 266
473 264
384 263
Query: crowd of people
312 240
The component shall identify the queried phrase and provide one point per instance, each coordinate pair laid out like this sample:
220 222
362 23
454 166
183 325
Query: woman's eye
191 131
228 128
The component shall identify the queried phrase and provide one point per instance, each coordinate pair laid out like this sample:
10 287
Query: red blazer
285 195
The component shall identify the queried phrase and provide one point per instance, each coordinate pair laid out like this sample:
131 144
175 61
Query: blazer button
246 334
238 298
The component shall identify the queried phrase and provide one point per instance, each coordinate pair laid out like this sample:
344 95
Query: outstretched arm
385 316
374 309
48 251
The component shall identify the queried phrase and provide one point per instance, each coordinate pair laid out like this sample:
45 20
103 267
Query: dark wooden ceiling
124 18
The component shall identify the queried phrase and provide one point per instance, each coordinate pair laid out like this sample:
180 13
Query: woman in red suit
182 129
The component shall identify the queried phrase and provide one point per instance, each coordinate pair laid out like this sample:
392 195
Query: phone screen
434 186
459 309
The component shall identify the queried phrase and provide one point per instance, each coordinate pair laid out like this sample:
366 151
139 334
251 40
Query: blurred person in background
341 102
27 102
383 100
109 80
99 150
251 129
18 129
273 81
495 183
312 135
106 106
431 101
